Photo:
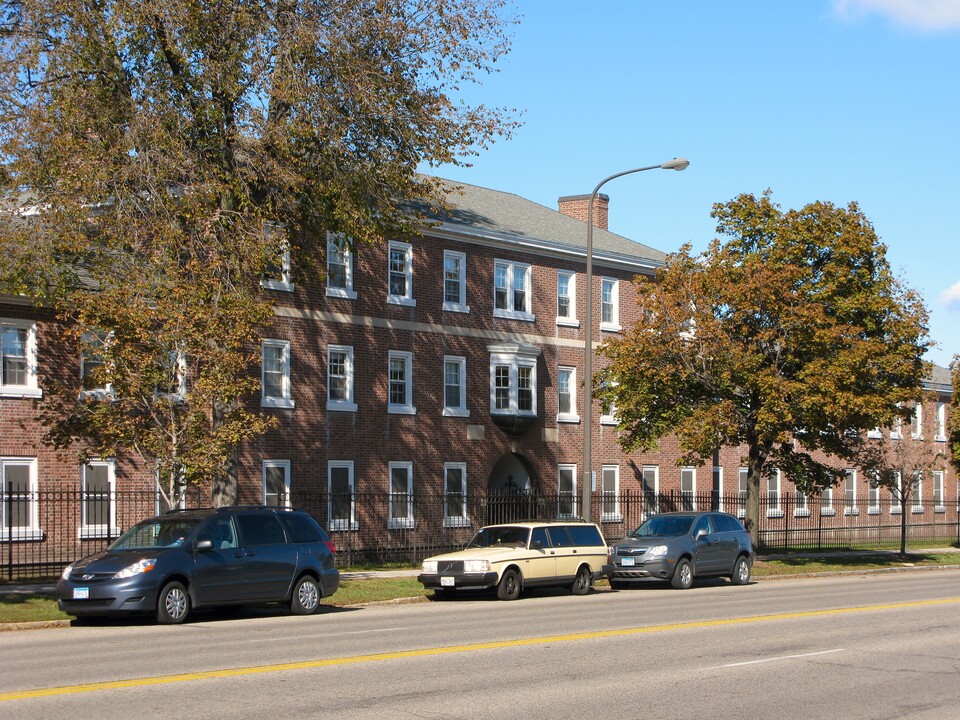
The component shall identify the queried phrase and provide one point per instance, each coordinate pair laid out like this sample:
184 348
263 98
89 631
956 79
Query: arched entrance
512 491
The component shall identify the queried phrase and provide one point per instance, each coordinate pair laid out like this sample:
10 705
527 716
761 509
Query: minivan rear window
301 529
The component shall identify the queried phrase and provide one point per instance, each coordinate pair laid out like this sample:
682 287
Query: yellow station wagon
517 556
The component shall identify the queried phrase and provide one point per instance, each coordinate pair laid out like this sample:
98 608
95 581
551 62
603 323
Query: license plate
447 582
628 562
81 593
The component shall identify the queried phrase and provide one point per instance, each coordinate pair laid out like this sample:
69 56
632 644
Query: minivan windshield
157 533
664 526
506 535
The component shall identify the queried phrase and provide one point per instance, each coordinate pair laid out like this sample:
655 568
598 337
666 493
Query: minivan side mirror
205 545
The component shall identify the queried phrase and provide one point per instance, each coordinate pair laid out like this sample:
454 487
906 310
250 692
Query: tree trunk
755 464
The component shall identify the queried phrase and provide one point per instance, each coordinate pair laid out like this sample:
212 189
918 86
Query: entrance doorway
512 491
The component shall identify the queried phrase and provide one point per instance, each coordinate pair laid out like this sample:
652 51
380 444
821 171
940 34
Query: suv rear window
260 529
302 529
585 535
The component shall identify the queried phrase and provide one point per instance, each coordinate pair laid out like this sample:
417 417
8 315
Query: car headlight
66 571
430 567
658 551
476 566
138 568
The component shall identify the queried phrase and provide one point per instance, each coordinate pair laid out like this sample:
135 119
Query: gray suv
681 546
186 559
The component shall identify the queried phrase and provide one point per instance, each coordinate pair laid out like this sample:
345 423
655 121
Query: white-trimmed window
98 511
340 376
455 495
826 502
400 383
512 290
277 275
743 481
896 504
567 395
455 281
850 492
18 359
916 492
455 386
916 422
341 500
400 274
801 507
651 490
174 373
938 496
896 430
275 374
513 384
873 496
940 421
718 486
566 491
339 267
276 483
608 412
688 488
610 493
773 493
19 506
93 379
400 510
610 305
567 298
875 434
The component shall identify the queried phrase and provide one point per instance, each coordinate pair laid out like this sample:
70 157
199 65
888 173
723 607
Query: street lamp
677 164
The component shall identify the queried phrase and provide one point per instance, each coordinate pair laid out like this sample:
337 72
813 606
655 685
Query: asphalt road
853 646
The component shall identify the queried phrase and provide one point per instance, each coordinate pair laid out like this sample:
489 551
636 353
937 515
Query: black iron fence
42 532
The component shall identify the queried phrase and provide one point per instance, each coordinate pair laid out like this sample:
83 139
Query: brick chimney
577 207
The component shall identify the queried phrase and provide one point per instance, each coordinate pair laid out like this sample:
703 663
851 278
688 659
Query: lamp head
677 164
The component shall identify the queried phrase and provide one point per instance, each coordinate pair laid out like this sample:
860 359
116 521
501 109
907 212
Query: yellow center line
473 647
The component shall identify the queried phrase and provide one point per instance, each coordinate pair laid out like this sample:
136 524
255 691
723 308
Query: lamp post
677 164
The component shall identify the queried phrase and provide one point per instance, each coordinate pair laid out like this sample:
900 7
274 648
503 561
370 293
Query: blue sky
836 100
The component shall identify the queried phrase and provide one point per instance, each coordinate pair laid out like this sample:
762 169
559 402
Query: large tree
791 338
160 157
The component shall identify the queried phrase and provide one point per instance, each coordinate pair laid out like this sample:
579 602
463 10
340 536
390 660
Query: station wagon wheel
683 575
173 604
306 596
509 587
741 572
581 584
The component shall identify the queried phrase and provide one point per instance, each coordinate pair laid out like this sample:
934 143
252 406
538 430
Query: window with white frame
937 489
916 492
455 495
743 481
826 502
873 495
277 275
339 267
650 477
340 378
567 298
800 505
512 290
567 395
688 488
513 379
19 507
896 430
455 281
455 386
400 510
608 412
18 359
850 492
916 422
773 493
275 374
97 507
610 305
400 383
610 493
717 491
94 381
276 483
940 421
567 491
400 274
896 504
875 434
173 371
342 502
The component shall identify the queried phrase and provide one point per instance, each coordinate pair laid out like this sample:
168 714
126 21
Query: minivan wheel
306 596
509 587
683 575
173 605
741 572
581 584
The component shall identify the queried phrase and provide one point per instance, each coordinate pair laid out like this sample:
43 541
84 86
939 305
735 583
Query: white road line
775 659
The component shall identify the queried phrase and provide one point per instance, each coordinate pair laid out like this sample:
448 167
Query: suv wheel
581 584
510 585
306 596
173 605
741 572
683 575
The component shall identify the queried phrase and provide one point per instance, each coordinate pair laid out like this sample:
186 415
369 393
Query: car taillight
331 546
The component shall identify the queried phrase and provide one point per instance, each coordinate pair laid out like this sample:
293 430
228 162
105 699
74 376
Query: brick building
421 376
